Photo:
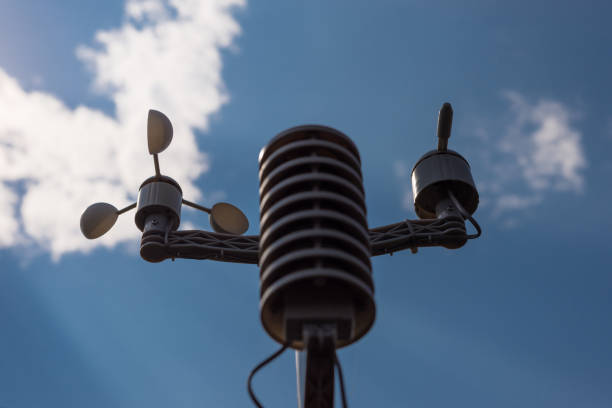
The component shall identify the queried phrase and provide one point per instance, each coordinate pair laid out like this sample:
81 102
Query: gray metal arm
449 232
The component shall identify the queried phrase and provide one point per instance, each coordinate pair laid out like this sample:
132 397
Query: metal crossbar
197 244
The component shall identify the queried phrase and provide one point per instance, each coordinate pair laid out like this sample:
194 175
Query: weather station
314 246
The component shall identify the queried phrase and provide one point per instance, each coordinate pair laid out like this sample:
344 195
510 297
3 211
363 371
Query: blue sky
519 317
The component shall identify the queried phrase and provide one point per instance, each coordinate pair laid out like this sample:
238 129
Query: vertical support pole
318 377
300 375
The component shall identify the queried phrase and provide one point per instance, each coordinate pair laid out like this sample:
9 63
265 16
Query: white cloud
10 227
540 151
54 161
511 202
545 145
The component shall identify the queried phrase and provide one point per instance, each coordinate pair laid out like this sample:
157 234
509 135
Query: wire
257 368
466 215
340 379
475 224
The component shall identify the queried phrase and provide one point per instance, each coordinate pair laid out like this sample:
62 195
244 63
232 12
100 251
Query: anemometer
314 246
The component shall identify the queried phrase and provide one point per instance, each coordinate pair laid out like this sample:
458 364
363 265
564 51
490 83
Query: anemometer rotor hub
162 178
162 197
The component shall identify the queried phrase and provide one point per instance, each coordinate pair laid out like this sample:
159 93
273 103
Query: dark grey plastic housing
160 196
435 174
314 249
442 171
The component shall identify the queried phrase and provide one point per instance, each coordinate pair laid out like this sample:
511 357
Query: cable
340 379
475 224
466 215
257 368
